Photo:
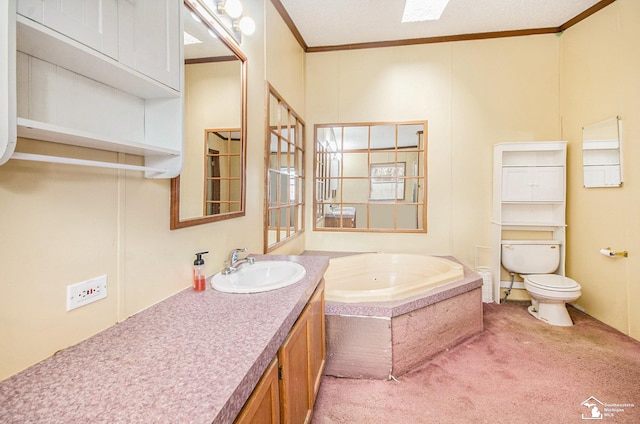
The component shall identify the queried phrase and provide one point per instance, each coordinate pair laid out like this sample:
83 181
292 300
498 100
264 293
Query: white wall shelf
56 134
74 90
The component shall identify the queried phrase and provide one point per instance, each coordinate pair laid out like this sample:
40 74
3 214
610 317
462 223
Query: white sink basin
259 277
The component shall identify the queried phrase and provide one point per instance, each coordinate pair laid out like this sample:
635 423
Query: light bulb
247 25
233 8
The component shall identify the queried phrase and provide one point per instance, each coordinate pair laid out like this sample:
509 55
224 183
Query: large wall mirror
211 186
284 197
602 154
371 177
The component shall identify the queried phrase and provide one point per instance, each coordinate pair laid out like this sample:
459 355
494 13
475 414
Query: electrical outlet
85 292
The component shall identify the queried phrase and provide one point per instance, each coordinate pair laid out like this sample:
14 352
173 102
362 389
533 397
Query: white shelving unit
74 78
529 194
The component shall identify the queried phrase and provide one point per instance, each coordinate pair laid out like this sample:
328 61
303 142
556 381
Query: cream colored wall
600 80
473 94
62 224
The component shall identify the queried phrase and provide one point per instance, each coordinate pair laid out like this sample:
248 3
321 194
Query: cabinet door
516 184
263 407
149 33
92 23
548 184
317 350
537 184
295 393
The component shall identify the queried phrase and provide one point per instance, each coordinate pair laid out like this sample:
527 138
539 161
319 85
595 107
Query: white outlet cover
86 292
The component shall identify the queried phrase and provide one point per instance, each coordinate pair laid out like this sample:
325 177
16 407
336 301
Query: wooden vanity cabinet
346 221
263 407
317 353
300 363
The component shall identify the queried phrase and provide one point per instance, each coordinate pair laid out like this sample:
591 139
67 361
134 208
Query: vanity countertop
193 358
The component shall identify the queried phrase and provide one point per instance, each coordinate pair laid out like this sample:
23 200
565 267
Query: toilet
536 261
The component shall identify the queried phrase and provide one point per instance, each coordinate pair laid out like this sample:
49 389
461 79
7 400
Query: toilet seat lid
552 281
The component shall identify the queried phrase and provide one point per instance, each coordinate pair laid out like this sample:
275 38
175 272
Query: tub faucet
233 263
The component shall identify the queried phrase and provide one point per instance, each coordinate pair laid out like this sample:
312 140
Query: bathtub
384 277
386 314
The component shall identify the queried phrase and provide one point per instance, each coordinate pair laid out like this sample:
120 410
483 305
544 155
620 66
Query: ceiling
324 23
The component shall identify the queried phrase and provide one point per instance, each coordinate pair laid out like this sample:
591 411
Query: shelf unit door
149 32
529 183
92 23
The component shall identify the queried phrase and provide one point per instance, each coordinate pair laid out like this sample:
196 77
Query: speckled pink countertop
193 358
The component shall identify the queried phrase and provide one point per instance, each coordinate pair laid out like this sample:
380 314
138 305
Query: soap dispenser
198 272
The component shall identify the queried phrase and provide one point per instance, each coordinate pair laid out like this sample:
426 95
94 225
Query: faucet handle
233 256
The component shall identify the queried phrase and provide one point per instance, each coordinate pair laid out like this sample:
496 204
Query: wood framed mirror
602 154
371 177
211 186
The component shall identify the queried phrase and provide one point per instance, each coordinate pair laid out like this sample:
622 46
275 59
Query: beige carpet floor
518 370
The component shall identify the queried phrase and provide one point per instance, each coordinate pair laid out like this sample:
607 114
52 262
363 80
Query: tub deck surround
380 340
193 358
471 280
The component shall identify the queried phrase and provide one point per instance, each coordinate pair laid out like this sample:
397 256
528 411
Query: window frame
337 211
288 131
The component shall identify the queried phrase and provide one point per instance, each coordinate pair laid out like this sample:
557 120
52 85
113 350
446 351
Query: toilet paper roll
607 252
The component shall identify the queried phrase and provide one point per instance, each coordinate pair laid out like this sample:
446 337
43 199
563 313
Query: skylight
423 10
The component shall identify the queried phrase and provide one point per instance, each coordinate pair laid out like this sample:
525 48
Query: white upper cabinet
92 23
143 35
148 40
533 184
529 183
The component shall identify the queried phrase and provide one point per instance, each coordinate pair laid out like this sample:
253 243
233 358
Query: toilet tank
531 256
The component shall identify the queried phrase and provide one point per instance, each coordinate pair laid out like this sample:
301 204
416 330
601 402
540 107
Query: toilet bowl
549 295
535 261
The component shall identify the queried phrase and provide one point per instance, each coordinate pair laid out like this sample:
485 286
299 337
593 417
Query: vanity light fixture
423 10
231 8
225 15
245 25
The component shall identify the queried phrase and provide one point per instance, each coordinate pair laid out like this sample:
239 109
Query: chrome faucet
233 263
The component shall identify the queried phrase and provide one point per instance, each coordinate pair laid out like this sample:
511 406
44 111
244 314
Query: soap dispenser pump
198 272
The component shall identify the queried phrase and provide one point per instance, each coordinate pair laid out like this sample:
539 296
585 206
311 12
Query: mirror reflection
285 173
370 177
211 184
601 154
223 171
